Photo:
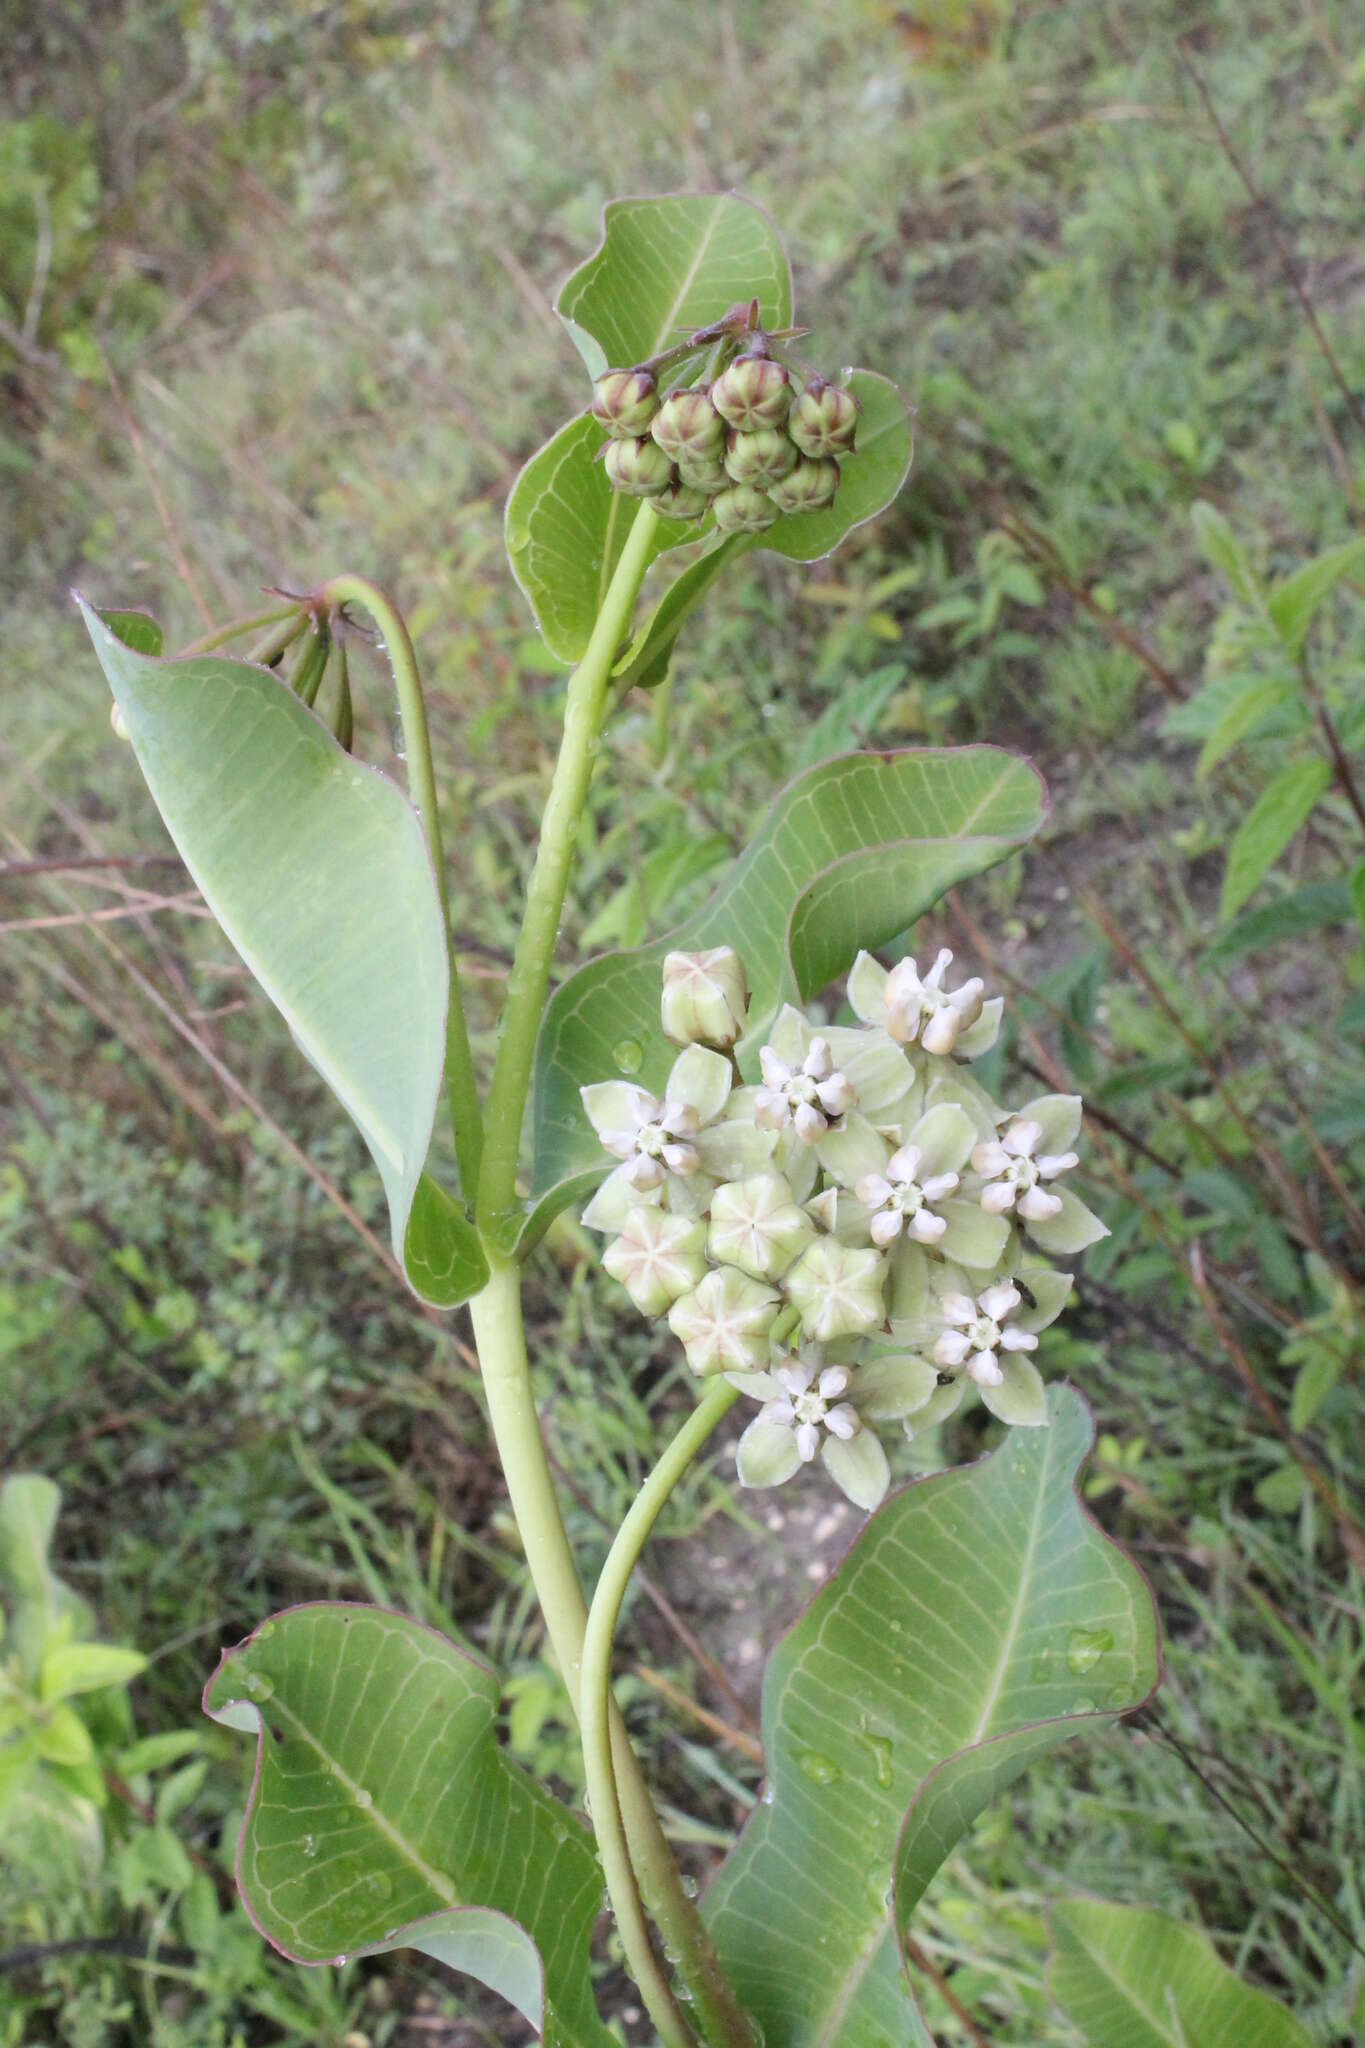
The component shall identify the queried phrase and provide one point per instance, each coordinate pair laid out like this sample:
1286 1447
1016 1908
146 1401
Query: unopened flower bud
758 1225
723 1324
753 392
657 1257
809 487
704 473
742 509
688 425
625 402
680 501
705 997
824 419
838 1289
761 458
639 468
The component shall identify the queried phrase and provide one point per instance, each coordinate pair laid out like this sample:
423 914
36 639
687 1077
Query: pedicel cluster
859 1239
721 424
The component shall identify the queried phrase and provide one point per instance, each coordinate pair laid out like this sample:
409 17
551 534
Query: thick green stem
529 978
596 1704
460 1085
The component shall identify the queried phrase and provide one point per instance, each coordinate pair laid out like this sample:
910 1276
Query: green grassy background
274 287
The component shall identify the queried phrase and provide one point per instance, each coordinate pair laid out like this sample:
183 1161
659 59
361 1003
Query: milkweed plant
774 1120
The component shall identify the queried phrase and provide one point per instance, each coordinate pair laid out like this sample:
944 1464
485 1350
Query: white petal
924 1228
772 1111
1037 1205
983 1368
903 1164
934 978
952 1347
796 1378
998 1197
886 1226
832 1382
810 1124
780 1411
902 984
939 1035
958 1308
776 1073
1018 1340
681 1158
1021 1137
837 1094
967 999
680 1120
1053 1163
807 1441
643 1172
936 1188
614 1106
843 1421
817 1062
902 1023
990 1159
997 1301
873 1189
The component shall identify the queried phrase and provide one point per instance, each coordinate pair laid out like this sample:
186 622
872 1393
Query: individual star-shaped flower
916 1009
806 1097
1034 1148
899 1200
657 1257
978 1330
937 1314
811 1408
671 1150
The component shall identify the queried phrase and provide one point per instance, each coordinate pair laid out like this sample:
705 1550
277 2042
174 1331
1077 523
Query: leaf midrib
1125 1991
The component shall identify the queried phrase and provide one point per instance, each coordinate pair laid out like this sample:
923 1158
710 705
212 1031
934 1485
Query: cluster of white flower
858 1238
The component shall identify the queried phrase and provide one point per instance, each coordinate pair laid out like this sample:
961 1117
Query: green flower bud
624 402
723 1325
824 419
680 501
742 509
705 473
757 1225
639 468
761 458
809 487
838 1289
688 425
705 997
657 1257
753 392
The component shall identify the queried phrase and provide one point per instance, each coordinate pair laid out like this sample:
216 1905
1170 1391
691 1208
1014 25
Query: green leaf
1313 1382
565 529
1128 1977
1293 603
1309 909
868 479
849 854
1225 552
441 1250
383 1814
665 266
645 662
1242 716
43 1608
980 1620
317 869
85 1667
1270 824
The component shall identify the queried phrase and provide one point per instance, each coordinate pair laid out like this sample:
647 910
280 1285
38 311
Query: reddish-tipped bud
824 419
688 427
625 402
753 392
679 501
808 488
761 458
742 509
639 468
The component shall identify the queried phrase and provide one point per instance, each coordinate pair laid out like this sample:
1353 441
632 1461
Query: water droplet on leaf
259 1686
1041 1669
378 1885
1085 1647
363 1798
821 1770
1084 1705
629 1055
518 538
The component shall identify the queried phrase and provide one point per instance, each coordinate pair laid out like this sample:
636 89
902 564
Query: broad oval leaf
981 1619
849 854
317 869
383 1814
442 1254
1129 1977
868 479
665 266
